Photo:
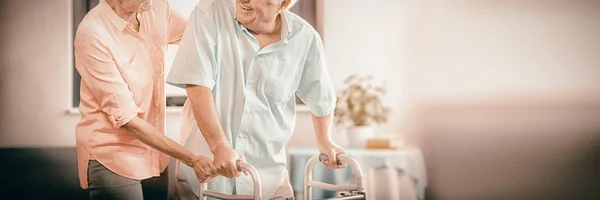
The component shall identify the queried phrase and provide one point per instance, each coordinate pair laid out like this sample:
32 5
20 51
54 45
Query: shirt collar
117 21
286 31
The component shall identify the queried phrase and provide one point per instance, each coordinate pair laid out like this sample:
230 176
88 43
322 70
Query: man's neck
129 17
270 29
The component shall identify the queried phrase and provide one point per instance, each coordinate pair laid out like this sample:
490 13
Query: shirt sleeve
100 75
316 89
195 61
177 23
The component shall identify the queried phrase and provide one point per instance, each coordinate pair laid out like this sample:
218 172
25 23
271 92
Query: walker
355 191
241 167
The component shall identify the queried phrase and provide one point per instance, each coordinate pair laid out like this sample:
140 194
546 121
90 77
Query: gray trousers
182 189
107 185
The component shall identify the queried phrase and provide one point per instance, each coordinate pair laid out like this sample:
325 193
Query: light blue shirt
254 89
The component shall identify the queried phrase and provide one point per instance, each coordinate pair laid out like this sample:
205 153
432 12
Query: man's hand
331 149
326 146
225 162
203 166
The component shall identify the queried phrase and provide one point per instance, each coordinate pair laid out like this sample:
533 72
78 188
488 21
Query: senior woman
119 53
242 62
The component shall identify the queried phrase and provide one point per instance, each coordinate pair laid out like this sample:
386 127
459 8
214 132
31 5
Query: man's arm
316 90
203 106
195 69
322 127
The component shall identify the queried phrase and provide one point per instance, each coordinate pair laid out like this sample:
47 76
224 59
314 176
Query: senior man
242 62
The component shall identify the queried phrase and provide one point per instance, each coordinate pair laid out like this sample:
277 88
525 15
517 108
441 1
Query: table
407 159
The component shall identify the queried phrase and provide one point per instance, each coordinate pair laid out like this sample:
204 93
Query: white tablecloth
407 159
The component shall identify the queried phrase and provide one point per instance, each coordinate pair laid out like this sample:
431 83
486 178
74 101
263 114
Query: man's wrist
220 145
191 161
323 139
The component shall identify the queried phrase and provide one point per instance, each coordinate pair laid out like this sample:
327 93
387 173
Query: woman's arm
101 75
148 134
154 138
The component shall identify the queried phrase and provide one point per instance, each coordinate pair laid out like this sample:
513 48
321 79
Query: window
80 8
306 9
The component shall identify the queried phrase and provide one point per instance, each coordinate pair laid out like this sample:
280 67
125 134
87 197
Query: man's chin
246 21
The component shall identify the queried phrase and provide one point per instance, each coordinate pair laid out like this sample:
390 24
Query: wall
366 38
502 96
35 50
461 50
506 97
498 48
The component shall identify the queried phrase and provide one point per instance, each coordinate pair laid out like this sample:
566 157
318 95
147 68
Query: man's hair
292 2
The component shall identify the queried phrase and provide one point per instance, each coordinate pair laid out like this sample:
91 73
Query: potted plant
359 108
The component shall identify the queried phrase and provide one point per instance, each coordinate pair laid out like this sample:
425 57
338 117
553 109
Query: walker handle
309 184
242 166
324 157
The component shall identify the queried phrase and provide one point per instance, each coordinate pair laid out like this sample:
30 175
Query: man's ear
284 5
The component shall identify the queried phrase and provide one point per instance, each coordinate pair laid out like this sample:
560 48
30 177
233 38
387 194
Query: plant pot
358 135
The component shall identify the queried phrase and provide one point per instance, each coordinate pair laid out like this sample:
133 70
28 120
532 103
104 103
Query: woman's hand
203 166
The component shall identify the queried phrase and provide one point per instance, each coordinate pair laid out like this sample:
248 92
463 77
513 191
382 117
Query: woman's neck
128 16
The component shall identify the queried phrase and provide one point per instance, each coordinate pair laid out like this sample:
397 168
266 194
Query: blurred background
500 99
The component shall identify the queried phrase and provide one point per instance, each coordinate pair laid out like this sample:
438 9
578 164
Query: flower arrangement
359 103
